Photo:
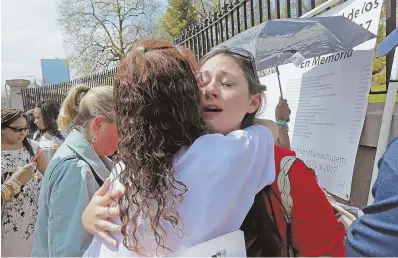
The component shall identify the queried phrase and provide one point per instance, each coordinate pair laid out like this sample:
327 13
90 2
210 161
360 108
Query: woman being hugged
313 229
181 186
76 171
19 185
48 136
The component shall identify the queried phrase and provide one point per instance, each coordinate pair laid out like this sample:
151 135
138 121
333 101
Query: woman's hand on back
102 207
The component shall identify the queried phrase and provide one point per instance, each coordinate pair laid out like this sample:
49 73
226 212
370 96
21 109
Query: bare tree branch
99 33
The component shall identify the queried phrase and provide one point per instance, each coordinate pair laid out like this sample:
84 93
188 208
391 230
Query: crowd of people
171 156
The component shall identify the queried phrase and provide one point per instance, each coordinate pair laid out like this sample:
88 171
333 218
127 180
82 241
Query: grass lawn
379 97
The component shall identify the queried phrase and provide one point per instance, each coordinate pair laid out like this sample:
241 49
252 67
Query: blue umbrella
274 42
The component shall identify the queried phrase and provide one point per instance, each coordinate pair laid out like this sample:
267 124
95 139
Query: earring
93 141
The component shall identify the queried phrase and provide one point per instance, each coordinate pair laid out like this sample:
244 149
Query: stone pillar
15 94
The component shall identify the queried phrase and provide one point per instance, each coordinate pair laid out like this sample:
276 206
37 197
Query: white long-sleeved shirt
222 173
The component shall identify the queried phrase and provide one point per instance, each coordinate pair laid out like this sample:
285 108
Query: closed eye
227 85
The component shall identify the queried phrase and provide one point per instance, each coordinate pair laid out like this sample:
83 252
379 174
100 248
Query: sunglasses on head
18 129
240 52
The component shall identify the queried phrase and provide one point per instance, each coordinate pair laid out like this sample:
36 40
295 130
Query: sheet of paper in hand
228 245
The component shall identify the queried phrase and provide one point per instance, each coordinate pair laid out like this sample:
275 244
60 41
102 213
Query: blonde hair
83 103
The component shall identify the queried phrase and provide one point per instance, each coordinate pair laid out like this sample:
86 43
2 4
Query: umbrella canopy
388 44
273 42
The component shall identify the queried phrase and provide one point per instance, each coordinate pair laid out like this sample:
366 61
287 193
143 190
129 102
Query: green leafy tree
205 8
178 16
379 63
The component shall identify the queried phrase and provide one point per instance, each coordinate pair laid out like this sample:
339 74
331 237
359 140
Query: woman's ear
255 103
97 123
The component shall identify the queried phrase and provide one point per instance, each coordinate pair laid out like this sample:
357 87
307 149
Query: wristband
15 185
6 193
282 123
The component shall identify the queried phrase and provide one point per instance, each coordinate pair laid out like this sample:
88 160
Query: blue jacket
67 188
375 233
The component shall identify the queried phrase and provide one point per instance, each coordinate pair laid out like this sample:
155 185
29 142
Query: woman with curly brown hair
181 185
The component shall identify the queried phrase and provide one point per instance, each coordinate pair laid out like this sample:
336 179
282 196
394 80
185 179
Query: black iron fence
58 92
236 16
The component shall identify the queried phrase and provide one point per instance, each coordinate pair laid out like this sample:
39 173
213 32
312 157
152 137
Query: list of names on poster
312 103
359 106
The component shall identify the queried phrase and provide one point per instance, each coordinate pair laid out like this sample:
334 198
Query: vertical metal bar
251 13
31 96
188 40
238 16
28 99
288 12
260 11
191 43
195 42
278 9
216 27
199 39
269 16
207 35
391 24
231 6
244 16
204 40
23 99
312 4
186 44
221 26
179 40
226 9
299 10
211 32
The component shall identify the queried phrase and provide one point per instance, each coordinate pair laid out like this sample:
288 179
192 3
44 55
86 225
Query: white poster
228 245
328 99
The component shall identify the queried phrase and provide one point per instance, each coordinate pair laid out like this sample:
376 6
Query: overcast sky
29 32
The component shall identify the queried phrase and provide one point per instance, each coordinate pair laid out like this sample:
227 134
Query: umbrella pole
385 122
279 81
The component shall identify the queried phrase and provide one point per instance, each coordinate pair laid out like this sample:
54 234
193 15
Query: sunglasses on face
240 52
18 130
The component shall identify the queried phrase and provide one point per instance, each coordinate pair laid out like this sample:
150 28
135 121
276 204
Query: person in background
280 128
48 136
375 233
31 123
76 171
282 116
19 185
12 186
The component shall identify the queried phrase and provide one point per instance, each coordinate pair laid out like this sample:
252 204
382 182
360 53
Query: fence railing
58 92
236 16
